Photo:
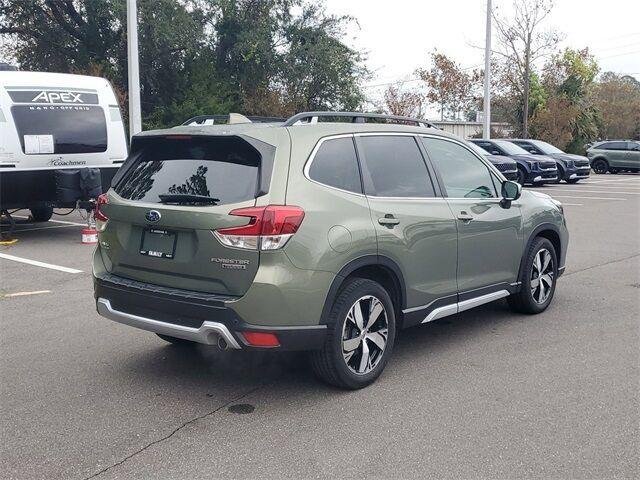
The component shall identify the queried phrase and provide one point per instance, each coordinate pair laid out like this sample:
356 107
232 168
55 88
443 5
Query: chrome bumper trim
208 333
539 178
575 175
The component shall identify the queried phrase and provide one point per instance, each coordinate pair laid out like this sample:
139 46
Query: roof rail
224 119
356 117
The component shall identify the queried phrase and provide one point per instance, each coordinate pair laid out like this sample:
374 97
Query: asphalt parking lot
484 394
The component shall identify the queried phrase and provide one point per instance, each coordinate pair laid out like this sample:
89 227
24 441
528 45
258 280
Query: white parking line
591 198
19 230
64 222
24 294
581 190
39 264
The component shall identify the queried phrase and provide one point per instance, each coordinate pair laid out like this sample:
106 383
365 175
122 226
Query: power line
619 55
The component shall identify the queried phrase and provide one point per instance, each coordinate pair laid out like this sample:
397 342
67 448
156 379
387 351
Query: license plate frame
169 239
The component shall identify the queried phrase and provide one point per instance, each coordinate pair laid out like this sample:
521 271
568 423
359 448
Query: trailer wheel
41 214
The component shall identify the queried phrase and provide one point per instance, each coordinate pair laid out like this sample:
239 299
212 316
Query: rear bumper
194 316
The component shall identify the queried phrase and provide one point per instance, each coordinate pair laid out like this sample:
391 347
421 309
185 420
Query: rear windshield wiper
187 198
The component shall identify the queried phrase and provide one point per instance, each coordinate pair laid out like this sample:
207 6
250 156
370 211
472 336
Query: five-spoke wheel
364 335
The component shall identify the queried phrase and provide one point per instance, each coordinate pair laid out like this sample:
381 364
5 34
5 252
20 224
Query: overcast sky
399 34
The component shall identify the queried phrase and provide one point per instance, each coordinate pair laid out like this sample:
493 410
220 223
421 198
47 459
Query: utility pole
487 77
135 117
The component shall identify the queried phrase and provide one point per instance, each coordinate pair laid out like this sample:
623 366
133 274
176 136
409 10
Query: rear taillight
100 202
269 228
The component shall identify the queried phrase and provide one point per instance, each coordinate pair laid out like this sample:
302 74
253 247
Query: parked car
532 169
505 165
322 236
571 168
615 156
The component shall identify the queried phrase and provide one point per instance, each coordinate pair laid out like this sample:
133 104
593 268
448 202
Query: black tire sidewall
41 214
344 301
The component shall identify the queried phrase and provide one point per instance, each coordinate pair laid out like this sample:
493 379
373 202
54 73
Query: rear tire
176 341
600 166
41 214
352 335
538 281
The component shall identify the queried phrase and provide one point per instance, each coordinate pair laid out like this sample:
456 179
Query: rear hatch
164 207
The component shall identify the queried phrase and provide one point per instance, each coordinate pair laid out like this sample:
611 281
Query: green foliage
196 56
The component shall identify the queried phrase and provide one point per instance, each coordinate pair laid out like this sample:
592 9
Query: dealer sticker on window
38 144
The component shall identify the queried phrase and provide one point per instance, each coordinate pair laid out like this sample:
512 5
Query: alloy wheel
542 276
364 335
600 166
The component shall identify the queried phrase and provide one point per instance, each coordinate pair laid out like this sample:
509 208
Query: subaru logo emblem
152 216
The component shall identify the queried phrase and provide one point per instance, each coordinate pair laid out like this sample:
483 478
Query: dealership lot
487 393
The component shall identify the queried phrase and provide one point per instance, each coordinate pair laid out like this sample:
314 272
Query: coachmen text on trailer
61 140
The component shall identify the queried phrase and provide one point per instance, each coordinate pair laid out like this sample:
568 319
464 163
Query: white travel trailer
61 140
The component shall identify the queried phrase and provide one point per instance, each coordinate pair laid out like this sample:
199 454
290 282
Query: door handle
464 217
388 220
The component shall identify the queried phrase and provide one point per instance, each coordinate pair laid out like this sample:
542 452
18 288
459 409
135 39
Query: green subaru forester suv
328 232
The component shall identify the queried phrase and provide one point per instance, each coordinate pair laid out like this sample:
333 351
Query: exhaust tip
222 344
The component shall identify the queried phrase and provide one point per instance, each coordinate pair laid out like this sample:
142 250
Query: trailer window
70 128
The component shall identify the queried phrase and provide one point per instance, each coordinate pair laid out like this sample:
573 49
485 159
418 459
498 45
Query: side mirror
511 191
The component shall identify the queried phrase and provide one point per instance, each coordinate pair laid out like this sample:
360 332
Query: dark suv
532 169
505 165
571 168
317 235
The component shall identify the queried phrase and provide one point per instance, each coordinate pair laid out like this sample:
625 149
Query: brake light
269 228
98 213
261 339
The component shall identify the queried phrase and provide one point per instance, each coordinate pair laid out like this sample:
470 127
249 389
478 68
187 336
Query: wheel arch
378 268
546 230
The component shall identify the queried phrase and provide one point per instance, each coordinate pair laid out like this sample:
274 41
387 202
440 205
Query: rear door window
47 129
393 167
226 169
335 164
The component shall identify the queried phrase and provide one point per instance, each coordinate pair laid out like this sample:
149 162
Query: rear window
225 168
47 129
335 164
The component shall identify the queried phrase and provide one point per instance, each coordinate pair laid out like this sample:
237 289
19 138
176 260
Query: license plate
158 243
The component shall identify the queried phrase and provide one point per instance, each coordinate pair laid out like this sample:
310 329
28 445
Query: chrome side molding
458 307
208 333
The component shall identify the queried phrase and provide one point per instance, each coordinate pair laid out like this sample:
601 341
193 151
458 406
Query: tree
521 44
617 98
569 75
268 57
406 103
554 122
448 85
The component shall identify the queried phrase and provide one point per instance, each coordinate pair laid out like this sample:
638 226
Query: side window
393 167
463 174
529 147
335 164
617 146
